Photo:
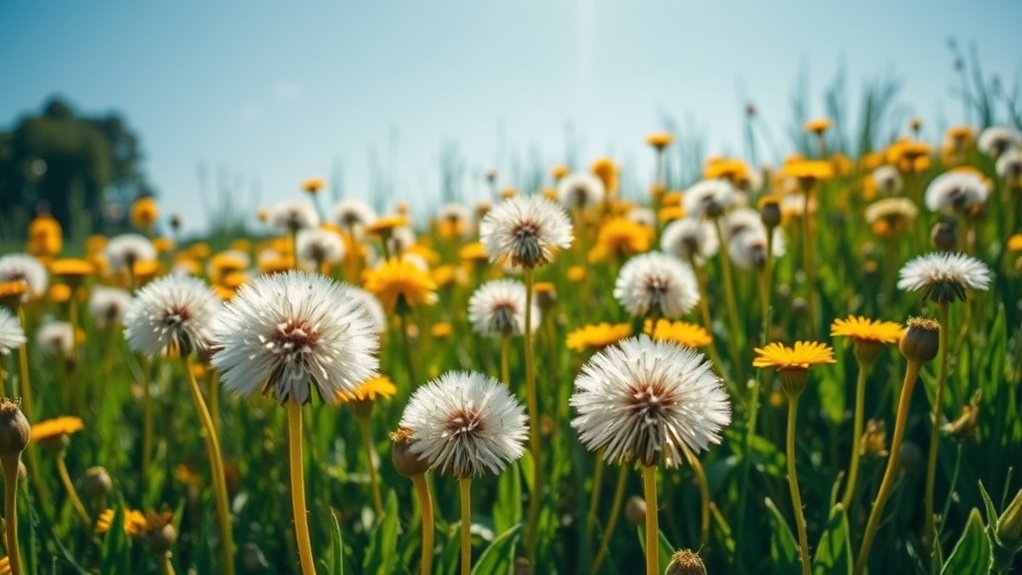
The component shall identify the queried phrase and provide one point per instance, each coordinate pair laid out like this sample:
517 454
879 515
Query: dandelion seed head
656 283
944 276
27 269
525 231
498 308
171 314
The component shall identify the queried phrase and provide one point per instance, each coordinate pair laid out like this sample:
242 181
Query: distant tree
70 165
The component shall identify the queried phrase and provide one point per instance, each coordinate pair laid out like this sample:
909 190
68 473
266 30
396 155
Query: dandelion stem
69 485
409 359
911 374
214 399
166 568
465 485
147 418
808 264
729 294
796 498
704 310
76 382
594 495
615 512
294 441
216 465
534 423
505 361
426 503
860 401
652 527
26 406
10 469
704 495
929 532
374 482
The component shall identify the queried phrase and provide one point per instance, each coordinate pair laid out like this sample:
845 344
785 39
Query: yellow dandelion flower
71 268
200 250
725 168
671 213
380 387
672 199
276 265
427 254
313 185
12 291
961 136
56 427
659 140
817 126
441 330
606 170
474 252
508 193
576 273
144 213
559 171
861 328
385 225
134 522
401 281
59 293
1015 243
45 236
597 336
620 238
809 171
801 356
95 244
163 244
680 332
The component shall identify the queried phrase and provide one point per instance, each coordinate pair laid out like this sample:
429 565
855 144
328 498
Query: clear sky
273 93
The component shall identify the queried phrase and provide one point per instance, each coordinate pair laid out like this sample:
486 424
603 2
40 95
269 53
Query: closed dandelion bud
1009 525
159 533
685 562
910 456
922 340
97 483
252 559
635 510
943 236
15 432
522 566
405 462
770 214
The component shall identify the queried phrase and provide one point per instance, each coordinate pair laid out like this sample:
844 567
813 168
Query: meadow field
807 366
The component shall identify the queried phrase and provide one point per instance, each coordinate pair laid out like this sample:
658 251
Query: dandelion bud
405 462
1009 526
15 431
910 456
943 236
922 340
522 566
770 213
97 483
159 532
635 510
685 562
546 295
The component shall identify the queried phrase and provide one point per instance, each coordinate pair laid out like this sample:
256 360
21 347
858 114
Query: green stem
808 264
465 485
374 482
426 503
147 419
929 533
652 527
860 401
704 495
69 486
10 470
594 494
796 498
615 512
505 360
535 445
911 374
732 307
409 358
298 508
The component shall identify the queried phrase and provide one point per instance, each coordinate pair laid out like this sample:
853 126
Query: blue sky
276 93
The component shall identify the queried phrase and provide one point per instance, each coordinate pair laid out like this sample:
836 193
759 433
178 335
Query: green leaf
665 549
381 556
783 548
336 564
834 553
971 556
507 510
116 558
831 390
499 557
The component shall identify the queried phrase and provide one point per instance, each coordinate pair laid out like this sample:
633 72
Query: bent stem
615 512
69 486
535 446
426 503
853 466
652 527
216 470
374 482
10 470
704 495
929 532
465 485
294 442
911 374
796 498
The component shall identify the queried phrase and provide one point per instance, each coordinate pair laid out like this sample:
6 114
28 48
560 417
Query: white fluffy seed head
580 190
353 214
525 231
995 140
371 305
108 305
643 400
290 216
710 198
741 220
497 308
953 192
27 269
887 180
656 284
748 248
1009 165
465 424
12 336
171 314
319 246
690 238
126 250
891 209
56 338
943 276
286 332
